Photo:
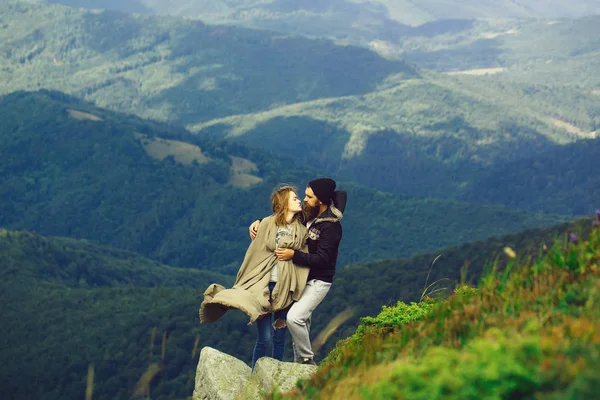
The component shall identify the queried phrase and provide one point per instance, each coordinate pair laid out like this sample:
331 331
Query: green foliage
563 180
532 333
175 70
92 179
347 21
389 318
400 314
465 291
415 133
496 368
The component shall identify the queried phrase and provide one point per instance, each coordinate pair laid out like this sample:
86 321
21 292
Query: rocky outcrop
270 373
222 377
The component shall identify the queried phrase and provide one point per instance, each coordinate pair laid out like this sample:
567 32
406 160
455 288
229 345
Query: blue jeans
267 333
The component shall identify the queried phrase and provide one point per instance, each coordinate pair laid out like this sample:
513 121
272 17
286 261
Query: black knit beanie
323 188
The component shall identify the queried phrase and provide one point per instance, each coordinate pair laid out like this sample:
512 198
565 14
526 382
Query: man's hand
254 229
284 254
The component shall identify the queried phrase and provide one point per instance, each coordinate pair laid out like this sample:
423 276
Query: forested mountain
31 260
443 138
350 112
70 169
68 304
174 69
564 181
434 135
345 18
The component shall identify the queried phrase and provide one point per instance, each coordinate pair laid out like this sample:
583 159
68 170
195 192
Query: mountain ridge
177 70
405 12
98 180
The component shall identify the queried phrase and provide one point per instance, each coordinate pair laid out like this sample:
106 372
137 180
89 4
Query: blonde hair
280 203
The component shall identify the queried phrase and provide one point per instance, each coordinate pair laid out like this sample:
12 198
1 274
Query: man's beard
310 212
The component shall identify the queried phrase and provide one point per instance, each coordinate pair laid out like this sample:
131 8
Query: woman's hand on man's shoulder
253 229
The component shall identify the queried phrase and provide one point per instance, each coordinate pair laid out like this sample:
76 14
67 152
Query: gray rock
270 373
220 376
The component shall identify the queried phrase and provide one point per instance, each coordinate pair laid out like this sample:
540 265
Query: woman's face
294 204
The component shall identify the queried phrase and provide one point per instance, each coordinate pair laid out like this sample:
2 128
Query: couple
287 271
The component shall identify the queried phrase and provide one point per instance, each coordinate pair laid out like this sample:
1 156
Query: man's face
311 204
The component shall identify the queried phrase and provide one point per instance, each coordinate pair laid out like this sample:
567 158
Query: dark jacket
324 236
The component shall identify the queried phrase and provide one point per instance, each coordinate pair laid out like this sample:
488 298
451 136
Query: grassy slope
387 281
531 332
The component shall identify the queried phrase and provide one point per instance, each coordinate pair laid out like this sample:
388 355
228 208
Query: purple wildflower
573 238
598 213
596 223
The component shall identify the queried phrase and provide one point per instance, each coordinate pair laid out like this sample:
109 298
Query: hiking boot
308 361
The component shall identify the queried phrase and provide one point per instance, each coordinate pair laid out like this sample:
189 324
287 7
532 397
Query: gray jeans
298 317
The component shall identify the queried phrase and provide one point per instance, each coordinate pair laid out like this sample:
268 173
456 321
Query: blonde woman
265 287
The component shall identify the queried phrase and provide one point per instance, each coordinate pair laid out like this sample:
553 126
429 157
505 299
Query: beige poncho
250 292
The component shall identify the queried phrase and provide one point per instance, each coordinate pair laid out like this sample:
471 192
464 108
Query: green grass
532 333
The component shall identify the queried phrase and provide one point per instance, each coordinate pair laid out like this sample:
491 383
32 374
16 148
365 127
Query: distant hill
54 262
70 169
438 137
522 50
398 28
344 18
174 69
563 181
68 304
509 89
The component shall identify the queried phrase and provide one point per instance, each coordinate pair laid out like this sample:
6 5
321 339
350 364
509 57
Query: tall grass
530 330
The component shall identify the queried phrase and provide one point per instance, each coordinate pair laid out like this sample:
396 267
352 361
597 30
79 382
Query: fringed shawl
250 292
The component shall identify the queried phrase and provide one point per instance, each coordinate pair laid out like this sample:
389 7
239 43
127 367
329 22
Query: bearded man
323 209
